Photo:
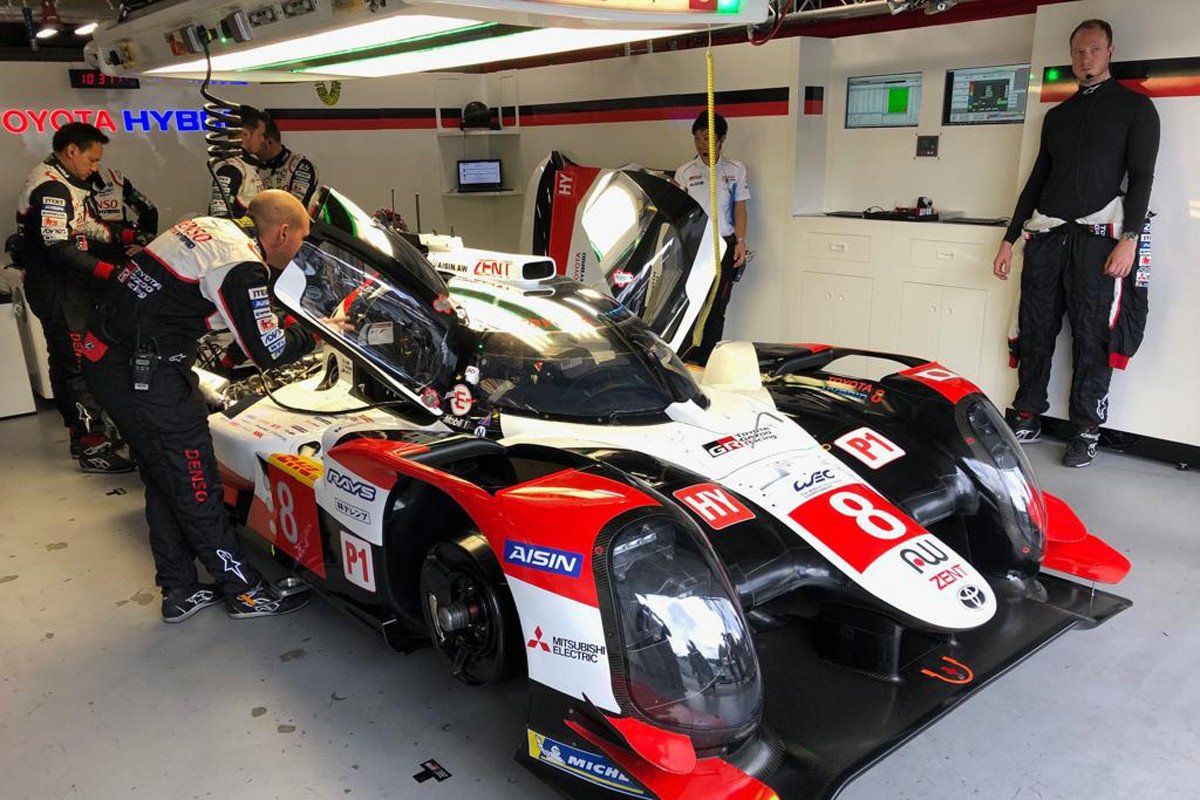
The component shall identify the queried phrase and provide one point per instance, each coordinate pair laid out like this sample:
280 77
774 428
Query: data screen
986 95
884 101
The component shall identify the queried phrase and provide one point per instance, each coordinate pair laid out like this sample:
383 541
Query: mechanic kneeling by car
202 274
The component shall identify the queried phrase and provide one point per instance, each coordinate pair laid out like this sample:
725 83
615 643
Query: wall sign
20 121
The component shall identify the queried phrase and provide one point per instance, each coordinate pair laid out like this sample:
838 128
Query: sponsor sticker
543 559
377 333
353 512
357 563
259 293
736 441
461 400
857 523
53 202
591 767
716 506
817 481
350 485
266 323
471 375
573 649
870 447
493 267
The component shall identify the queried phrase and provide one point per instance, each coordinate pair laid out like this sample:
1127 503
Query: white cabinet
835 309
943 323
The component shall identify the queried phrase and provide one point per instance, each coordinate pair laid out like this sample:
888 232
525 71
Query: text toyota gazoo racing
749 582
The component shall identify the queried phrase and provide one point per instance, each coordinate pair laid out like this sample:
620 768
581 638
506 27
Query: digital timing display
986 95
95 79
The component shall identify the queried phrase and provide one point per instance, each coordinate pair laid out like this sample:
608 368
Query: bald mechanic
203 274
1082 235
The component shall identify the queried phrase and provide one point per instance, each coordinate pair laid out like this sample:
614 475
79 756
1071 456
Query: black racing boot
1081 449
180 604
100 456
260 601
1025 425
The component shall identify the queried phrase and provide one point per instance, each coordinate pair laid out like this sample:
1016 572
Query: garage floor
100 700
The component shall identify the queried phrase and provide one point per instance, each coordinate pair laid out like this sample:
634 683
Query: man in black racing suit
67 255
280 168
202 274
1082 236
237 178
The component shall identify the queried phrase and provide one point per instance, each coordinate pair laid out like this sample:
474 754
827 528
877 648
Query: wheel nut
453 617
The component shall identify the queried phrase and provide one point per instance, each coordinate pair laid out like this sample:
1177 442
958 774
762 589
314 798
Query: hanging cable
222 125
781 8
714 220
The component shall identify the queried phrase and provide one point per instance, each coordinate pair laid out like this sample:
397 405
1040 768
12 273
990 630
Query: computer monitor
884 101
986 95
480 175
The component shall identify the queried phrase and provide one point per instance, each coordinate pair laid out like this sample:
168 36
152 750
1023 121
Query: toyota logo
972 597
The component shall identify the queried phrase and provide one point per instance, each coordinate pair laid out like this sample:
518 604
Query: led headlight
689 662
1006 477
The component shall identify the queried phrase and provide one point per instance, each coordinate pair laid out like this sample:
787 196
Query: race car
751 581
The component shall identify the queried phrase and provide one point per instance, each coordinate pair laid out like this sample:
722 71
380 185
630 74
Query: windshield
566 351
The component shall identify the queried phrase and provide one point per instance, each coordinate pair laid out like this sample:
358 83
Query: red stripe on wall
1180 86
356 124
768 109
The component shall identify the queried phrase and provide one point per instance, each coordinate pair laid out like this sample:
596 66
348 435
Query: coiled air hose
222 125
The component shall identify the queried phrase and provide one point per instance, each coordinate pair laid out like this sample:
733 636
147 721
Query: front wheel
470 616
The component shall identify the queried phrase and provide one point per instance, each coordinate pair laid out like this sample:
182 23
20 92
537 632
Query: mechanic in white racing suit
280 168
237 178
202 274
127 212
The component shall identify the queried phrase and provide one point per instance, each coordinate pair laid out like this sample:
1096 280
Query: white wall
1156 395
976 167
169 166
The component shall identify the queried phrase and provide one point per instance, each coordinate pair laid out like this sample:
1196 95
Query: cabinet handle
837 247
842 298
933 309
945 255
949 311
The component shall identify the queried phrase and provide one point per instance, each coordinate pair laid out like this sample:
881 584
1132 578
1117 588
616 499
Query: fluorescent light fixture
46 32
342 40
523 44
87 29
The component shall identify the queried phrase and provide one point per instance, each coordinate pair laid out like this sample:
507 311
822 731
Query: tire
469 613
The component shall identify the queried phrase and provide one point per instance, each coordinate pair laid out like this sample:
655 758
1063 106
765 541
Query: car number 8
287 512
872 520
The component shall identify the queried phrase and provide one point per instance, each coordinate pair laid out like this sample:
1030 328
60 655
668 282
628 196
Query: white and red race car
748 582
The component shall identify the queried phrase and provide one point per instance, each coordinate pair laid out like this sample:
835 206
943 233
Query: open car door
373 297
626 232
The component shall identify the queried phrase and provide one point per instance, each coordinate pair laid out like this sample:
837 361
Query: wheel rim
470 645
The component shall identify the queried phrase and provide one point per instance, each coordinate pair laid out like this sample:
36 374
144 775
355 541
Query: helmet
475 114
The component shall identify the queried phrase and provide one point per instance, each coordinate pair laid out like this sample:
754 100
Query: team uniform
122 207
239 179
1073 213
291 172
61 237
733 186
203 274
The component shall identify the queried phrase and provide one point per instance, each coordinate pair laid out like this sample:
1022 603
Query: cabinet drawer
966 257
838 246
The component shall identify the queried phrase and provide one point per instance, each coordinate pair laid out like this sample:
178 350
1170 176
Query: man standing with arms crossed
1082 237
280 168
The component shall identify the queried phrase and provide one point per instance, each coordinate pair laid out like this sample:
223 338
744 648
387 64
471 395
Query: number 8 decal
287 512
872 520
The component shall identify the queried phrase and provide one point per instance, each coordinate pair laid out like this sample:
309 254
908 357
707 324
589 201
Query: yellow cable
698 331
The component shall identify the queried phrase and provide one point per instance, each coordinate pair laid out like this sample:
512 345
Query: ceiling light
342 40
87 29
51 23
523 44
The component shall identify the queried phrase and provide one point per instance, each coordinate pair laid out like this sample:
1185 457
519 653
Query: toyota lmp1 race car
748 582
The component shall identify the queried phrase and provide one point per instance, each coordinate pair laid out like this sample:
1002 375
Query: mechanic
122 207
733 190
202 274
280 168
237 178
1081 238
59 239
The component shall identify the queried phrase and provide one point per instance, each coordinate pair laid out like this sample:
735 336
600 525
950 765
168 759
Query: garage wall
977 165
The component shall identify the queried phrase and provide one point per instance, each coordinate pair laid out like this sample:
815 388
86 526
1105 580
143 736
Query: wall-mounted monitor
986 95
884 101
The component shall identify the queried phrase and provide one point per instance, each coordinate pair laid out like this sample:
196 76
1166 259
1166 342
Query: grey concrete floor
100 700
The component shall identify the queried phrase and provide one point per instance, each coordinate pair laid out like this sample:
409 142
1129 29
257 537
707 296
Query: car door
373 296
627 232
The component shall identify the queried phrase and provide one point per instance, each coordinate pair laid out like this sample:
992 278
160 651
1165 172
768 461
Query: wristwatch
1130 235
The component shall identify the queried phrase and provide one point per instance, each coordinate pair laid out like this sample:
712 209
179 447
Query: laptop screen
479 174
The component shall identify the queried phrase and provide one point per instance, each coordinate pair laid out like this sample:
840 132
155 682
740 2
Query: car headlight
1005 475
689 664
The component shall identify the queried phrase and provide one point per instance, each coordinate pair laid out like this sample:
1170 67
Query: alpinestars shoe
260 601
1081 450
180 604
1025 426
102 457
